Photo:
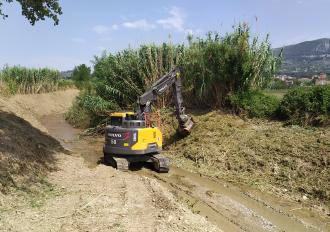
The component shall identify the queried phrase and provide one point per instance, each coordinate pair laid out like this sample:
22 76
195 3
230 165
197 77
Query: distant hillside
306 58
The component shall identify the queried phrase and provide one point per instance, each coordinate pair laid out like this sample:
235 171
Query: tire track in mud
229 208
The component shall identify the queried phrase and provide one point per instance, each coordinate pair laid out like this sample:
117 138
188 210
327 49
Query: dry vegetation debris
264 154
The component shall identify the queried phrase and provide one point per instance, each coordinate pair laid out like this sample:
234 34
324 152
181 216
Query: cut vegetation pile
26 153
284 160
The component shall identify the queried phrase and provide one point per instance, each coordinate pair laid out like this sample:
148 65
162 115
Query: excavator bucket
186 128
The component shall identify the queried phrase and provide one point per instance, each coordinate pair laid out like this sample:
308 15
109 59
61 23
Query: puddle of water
89 148
191 187
61 130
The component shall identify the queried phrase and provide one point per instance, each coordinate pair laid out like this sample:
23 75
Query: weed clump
255 104
307 106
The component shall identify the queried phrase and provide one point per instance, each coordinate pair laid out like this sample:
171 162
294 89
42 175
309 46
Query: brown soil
73 197
27 153
81 195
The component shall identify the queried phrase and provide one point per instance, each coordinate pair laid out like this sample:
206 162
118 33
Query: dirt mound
287 161
32 107
27 151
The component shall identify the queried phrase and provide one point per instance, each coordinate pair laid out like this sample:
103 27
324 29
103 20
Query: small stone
305 198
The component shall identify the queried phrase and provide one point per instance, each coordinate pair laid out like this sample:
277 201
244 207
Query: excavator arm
170 80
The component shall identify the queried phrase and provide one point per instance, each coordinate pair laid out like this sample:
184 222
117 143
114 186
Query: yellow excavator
135 137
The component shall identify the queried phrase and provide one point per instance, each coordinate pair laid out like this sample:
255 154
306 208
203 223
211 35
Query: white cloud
115 27
101 29
175 20
78 40
139 24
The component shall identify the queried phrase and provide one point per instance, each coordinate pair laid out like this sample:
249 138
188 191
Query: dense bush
307 106
213 68
88 110
255 104
78 116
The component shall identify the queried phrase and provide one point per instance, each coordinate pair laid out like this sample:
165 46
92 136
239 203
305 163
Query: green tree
35 10
81 75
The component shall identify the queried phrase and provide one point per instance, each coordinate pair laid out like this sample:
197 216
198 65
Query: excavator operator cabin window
116 121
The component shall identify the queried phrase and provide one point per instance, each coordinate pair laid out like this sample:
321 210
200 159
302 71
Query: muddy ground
78 193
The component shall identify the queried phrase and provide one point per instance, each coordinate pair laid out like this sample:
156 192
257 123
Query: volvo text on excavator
132 137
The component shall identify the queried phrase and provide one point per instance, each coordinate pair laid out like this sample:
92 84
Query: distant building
281 77
322 79
288 82
323 76
284 77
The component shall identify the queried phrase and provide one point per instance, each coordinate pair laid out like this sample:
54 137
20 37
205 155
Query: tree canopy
35 10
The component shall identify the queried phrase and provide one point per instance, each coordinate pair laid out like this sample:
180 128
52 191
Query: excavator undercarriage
159 162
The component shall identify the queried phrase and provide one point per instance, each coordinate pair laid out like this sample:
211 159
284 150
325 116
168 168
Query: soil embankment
74 197
27 152
81 195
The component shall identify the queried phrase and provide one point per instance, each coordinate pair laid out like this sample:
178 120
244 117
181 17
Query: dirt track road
223 205
93 197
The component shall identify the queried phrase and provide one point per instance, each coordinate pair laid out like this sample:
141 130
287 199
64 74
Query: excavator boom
170 80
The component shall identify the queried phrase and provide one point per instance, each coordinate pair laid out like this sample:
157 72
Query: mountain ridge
306 58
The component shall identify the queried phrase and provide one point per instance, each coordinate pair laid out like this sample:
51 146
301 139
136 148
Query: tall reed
23 80
214 67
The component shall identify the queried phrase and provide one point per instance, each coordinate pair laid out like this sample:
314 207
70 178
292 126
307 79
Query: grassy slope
285 161
279 93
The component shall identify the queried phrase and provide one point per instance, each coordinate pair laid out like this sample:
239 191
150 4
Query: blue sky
88 27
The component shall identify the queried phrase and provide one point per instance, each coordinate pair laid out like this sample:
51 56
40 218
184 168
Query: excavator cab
136 137
117 118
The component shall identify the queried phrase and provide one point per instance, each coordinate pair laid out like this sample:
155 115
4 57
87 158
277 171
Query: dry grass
26 153
292 161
